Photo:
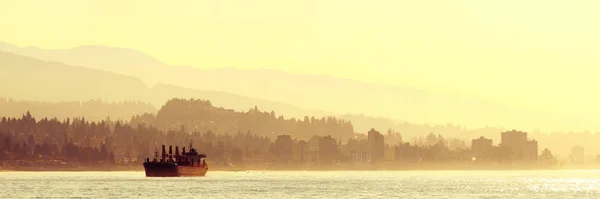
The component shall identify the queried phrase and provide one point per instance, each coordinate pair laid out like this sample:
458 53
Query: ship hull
192 171
157 169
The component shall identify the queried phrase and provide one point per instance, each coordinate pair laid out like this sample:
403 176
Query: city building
577 155
328 150
284 146
513 139
389 153
376 145
357 150
313 150
547 158
359 158
482 148
301 151
530 151
407 153
514 146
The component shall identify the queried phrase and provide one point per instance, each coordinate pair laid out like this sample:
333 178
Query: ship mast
155 153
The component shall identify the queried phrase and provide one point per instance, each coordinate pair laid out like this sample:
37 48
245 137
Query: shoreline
383 167
317 170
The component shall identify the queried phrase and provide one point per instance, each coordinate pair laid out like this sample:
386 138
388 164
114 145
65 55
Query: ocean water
305 184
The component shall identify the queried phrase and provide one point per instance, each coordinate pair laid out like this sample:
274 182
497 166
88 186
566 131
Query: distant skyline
533 54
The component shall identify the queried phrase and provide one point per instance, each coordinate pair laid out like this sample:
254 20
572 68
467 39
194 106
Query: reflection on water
305 184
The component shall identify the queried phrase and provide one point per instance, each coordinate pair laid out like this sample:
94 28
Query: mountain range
26 78
116 74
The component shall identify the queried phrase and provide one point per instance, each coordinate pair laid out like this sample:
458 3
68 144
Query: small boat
175 165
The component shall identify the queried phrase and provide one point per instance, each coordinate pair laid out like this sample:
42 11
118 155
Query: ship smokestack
163 153
176 150
170 153
183 153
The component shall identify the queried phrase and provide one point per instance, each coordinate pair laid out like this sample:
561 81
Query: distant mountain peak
109 55
116 51
4 45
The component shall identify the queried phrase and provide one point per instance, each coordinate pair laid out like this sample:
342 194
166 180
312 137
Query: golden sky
540 54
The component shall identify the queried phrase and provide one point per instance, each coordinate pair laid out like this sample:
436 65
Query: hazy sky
541 54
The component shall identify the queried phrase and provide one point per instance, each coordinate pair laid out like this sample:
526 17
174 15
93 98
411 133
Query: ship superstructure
176 164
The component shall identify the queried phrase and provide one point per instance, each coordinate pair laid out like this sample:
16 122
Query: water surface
305 184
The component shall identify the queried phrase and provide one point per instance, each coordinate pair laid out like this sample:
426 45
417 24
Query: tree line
140 112
224 135
94 110
202 116
83 142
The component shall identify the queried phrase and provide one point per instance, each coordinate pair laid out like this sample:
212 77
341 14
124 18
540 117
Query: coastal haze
306 85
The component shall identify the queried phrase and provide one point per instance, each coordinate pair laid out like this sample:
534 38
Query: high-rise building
513 138
328 150
515 146
376 145
284 145
530 151
481 148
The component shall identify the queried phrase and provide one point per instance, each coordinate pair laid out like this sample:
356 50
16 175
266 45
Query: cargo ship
174 165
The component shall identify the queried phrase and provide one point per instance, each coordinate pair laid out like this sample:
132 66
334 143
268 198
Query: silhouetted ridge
94 110
202 116
116 52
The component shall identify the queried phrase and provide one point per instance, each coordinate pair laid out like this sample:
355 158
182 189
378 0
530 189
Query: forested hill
93 110
202 116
